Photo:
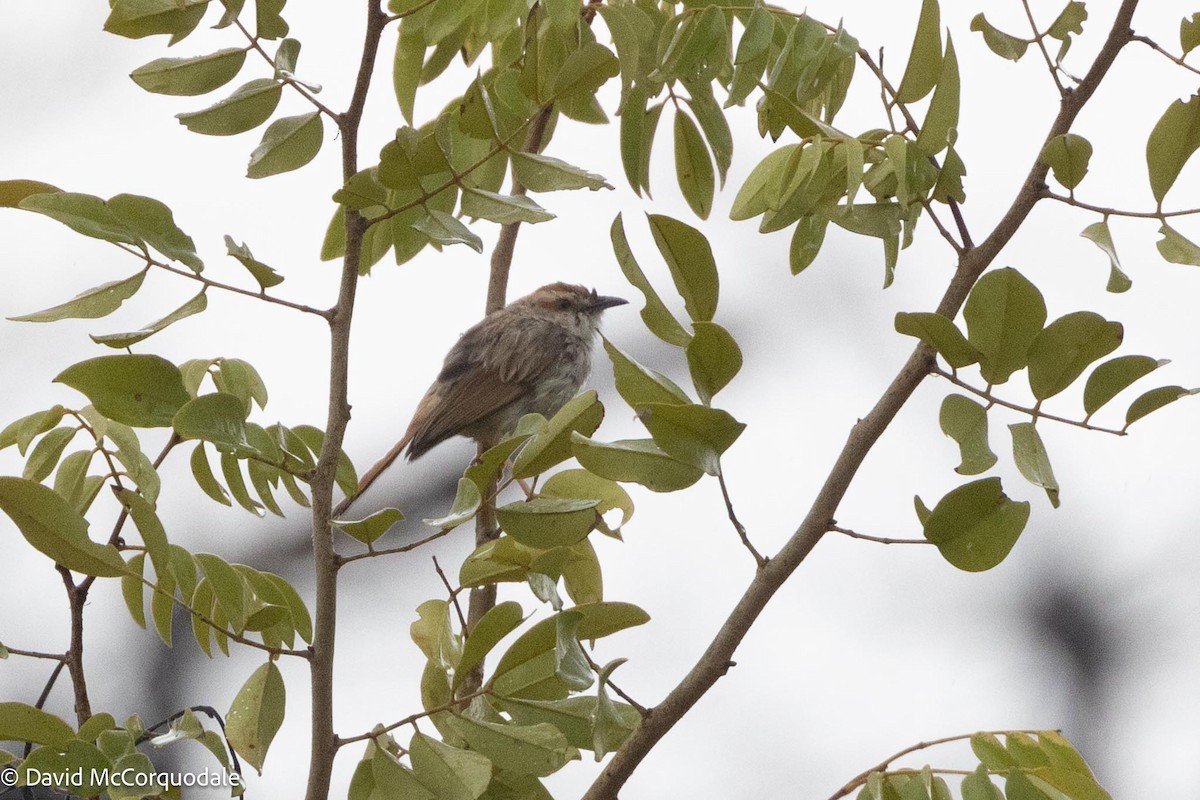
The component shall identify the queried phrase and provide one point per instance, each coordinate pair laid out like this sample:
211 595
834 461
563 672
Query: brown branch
452 592
45 695
714 662
304 92
483 598
1038 39
343 560
1047 194
737 524
36 654
1153 45
76 600
1035 413
409 720
880 539
325 563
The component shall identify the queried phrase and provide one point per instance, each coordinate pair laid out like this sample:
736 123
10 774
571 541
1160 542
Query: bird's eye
564 304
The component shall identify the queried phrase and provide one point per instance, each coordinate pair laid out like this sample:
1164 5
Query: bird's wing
483 373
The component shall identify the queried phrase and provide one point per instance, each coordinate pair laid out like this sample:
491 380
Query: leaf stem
880 539
305 93
1038 38
1047 194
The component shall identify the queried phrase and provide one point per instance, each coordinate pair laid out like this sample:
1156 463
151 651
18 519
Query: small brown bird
530 356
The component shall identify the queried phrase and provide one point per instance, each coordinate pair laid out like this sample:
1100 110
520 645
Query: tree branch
713 663
303 92
737 524
1038 38
1047 194
325 564
880 539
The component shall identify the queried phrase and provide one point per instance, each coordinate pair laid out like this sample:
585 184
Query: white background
868 648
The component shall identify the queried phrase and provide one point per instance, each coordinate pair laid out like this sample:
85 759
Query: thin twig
393 17
409 720
225 287
1047 194
304 92
641 709
343 560
36 654
1153 45
1038 37
737 524
880 539
45 695
1035 413
450 590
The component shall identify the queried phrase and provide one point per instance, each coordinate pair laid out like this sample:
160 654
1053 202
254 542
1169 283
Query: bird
531 356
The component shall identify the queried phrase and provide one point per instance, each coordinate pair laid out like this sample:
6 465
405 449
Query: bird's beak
602 302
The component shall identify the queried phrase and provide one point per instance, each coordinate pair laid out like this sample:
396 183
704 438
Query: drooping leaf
257 714
1004 314
1174 139
1031 459
584 71
144 391
96 302
655 315
1114 376
218 418
940 128
249 106
1175 248
82 213
581 484
696 435
693 166
265 276
190 76
502 208
288 143
1066 347
370 528
925 57
976 525
499 621
24 723
1155 399
135 19
1002 44
965 421
1099 233
807 239
14 191
690 259
153 222
466 503
939 333
1067 155
451 773
635 460
540 173
713 357
122 340
1189 33
55 529
546 522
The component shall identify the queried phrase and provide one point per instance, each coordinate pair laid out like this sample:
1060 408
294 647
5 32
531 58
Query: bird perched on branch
530 356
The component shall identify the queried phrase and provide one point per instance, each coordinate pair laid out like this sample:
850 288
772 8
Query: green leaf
370 528
1175 248
715 126
466 503
46 454
581 484
695 435
23 723
546 522
264 275
1031 459
288 143
502 208
446 17
14 191
584 71
1004 314
97 302
1067 155
925 58
151 529
432 633
1153 400
1002 44
1172 142
202 472
635 145
228 586
249 106
540 173
523 749
190 76
82 213
122 340
939 333
763 185
978 786
807 239
1114 376
1189 33
976 525
135 19
575 717
496 561
1062 351
218 418
268 21
55 529
1070 20
451 773
1099 233
499 621
406 65
693 167
144 391
690 259
551 446
153 222
74 484
940 128
991 753
965 421
446 229
949 184
658 319
713 357
22 432
257 714
634 460
287 55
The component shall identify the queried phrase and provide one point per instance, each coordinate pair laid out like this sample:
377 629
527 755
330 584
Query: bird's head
568 304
